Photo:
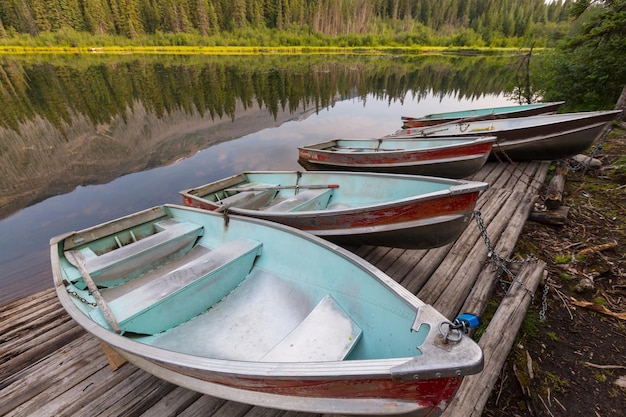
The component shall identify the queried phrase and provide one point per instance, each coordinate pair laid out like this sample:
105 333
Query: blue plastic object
469 320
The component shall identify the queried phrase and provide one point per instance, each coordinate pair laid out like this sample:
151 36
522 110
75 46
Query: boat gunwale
485 111
470 140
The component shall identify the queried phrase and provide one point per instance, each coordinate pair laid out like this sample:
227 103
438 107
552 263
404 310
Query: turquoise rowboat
260 313
489 113
402 211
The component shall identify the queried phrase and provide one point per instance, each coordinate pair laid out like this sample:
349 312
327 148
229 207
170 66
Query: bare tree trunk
621 105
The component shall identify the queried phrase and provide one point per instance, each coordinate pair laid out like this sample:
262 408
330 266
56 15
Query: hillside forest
491 23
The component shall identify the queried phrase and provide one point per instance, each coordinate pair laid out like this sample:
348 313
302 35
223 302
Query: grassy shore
252 50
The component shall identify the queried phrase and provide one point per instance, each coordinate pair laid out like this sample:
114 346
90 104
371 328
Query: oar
77 259
284 187
369 148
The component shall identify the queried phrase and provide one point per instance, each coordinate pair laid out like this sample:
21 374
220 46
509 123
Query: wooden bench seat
313 199
326 334
180 290
173 238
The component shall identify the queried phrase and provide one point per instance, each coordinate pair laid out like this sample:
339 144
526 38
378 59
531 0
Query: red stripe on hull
430 391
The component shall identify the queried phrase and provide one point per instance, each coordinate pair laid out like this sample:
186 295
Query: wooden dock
49 366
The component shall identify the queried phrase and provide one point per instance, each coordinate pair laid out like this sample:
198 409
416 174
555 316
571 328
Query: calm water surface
251 138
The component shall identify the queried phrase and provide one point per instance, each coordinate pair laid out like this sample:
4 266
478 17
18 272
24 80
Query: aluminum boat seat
326 334
251 200
178 291
305 200
125 262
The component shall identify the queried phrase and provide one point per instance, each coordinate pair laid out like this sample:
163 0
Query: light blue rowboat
260 313
352 208
488 113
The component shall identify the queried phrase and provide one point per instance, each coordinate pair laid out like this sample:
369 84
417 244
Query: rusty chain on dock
500 264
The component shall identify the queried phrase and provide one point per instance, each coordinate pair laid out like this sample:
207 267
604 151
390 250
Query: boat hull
546 137
482 114
419 221
392 360
550 147
370 397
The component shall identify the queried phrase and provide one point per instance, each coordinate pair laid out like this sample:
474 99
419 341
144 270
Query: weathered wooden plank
24 318
17 307
205 405
132 397
498 171
173 403
390 259
22 335
403 265
496 343
85 395
485 172
462 251
363 251
45 381
419 273
35 370
378 253
453 296
231 409
40 346
264 412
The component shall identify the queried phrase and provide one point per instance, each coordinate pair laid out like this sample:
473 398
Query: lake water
85 140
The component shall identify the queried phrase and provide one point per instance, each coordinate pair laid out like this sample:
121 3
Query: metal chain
584 166
500 264
544 301
81 298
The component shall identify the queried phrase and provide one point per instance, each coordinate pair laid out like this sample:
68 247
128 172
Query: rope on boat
519 174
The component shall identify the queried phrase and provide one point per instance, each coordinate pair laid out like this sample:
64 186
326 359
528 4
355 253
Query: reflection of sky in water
24 236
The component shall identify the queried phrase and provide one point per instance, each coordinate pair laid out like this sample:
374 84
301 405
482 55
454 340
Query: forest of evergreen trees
407 22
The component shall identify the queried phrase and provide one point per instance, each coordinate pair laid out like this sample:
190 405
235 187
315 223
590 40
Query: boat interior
231 304
269 194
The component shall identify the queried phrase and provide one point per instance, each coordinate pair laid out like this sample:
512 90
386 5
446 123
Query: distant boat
404 211
259 313
439 157
489 113
548 137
